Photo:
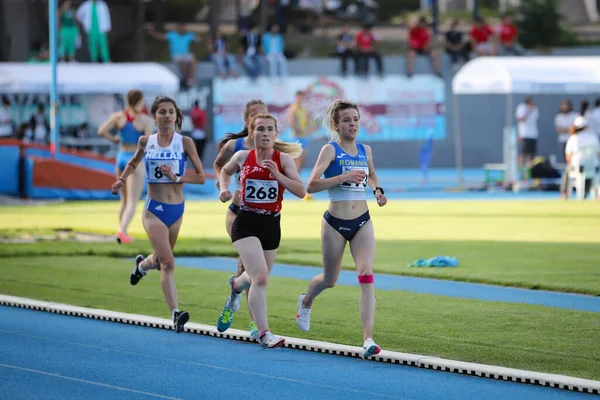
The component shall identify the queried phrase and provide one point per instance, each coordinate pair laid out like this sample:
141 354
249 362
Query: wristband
178 179
121 179
378 188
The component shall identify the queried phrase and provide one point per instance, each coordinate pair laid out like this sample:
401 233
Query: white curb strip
414 360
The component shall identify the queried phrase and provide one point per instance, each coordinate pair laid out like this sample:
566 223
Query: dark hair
597 104
166 99
243 132
134 97
584 107
569 105
196 103
5 101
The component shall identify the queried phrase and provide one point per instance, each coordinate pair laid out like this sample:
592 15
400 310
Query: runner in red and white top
265 174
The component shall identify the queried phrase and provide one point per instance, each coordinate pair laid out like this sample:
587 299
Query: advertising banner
392 108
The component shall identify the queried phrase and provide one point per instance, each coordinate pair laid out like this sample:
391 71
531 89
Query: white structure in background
521 76
572 10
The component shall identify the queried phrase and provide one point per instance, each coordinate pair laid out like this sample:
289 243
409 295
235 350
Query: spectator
250 52
482 37
282 11
179 46
527 117
419 43
6 121
224 61
38 53
68 32
455 47
581 137
273 45
198 117
40 128
365 41
94 16
345 49
563 122
507 35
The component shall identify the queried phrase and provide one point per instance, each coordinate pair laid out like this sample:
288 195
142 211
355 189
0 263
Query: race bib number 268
259 191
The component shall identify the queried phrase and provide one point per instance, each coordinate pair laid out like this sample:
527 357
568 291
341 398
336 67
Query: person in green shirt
94 16
68 32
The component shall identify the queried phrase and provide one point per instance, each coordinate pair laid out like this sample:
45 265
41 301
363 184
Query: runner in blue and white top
164 154
348 169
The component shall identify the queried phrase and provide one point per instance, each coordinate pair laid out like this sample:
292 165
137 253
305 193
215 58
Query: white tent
83 78
522 76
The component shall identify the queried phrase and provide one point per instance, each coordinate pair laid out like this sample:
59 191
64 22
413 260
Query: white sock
174 311
141 270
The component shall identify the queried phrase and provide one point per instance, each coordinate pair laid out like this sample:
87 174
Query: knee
261 279
167 264
329 282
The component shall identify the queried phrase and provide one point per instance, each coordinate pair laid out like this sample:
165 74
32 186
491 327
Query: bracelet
121 179
378 188
130 163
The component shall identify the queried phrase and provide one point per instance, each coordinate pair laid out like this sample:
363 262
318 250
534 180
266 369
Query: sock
174 312
141 270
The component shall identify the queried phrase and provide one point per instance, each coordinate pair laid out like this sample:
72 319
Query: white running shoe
370 348
270 341
303 315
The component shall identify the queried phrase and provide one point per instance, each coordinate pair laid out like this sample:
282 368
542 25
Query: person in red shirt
365 50
198 117
265 174
419 43
482 38
507 35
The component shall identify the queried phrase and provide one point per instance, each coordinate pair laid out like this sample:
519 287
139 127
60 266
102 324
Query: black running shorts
266 228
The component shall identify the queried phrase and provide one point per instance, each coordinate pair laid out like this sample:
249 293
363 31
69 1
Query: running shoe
303 315
270 341
254 332
136 275
123 238
370 348
180 319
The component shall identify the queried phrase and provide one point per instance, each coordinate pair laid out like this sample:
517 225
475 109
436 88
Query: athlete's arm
289 178
224 155
137 157
315 183
107 126
373 180
190 150
231 168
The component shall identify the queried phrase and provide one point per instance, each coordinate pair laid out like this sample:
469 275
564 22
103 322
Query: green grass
512 335
537 245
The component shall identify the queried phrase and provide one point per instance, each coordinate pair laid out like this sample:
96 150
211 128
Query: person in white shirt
6 122
527 117
563 122
581 137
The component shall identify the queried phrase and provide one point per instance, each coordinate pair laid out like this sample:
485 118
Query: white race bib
154 174
259 191
354 186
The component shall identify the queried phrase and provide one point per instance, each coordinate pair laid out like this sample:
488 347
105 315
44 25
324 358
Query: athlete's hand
225 195
381 199
166 170
271 166
116 139
354 176
117 186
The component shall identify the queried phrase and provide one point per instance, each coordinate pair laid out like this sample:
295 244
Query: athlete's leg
332 248
162 240
362 247
122 198
135 186
254 278
240 267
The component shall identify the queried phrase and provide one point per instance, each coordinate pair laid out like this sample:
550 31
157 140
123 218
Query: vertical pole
54 114
436 16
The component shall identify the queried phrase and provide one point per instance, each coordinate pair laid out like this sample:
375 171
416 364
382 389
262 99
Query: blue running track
418 285
53 356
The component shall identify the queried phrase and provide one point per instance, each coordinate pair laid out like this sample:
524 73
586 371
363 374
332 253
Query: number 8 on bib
261 191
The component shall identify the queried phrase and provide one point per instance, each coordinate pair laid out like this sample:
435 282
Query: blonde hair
292 149
332 117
